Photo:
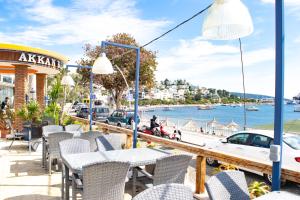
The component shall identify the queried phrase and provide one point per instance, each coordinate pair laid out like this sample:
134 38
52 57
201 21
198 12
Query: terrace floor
23 178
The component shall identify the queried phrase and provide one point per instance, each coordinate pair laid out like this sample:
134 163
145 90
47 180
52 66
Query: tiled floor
23 178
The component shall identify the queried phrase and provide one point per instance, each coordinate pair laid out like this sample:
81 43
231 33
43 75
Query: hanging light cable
244 88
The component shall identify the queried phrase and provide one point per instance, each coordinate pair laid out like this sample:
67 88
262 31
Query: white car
256 144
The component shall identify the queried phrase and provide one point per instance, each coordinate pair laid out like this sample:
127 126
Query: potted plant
257 189
31 114
224 167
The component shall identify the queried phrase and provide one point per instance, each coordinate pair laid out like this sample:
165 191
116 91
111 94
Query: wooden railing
201 154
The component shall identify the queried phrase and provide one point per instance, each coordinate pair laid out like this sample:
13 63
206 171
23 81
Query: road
209 140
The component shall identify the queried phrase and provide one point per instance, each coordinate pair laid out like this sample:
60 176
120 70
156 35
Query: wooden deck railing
201 154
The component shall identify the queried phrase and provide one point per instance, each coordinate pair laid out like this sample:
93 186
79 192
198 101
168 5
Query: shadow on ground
32 197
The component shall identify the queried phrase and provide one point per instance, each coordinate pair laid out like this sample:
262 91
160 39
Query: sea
225 114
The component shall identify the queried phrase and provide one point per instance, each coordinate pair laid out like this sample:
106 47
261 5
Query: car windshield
84 110
293 141
102 110
130 114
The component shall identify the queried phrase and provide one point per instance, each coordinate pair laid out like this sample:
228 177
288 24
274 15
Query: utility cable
165 33
244 88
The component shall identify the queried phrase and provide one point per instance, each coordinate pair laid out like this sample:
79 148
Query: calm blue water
224 114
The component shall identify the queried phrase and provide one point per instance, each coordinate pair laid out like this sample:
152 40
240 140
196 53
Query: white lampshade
227 20
102 65
67 80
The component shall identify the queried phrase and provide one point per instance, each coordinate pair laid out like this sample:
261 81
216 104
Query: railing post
200 174
129 142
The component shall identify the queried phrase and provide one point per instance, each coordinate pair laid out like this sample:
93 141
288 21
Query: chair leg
11 144
49 164
63 183
74 197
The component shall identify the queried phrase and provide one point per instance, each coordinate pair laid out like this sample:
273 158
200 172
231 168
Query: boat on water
252 108
205 107
167 109
149 110
297 108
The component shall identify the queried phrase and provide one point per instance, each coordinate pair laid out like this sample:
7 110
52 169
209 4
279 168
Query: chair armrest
143 171
77 181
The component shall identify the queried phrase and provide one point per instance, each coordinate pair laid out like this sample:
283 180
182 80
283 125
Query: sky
65 26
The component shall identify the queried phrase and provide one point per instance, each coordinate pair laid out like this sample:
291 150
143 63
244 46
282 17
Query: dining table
136 157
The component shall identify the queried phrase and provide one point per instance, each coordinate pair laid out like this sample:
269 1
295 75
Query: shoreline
142 108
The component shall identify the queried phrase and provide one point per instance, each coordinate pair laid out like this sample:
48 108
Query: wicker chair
51 129
53 149
91 136
112 141
171 191
71 146
170 169
76 129
103 181
228 185
46 130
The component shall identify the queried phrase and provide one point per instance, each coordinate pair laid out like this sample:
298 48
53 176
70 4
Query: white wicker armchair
91 136
112 141
103 181
171 191
72 146
53 149
170 169
228 185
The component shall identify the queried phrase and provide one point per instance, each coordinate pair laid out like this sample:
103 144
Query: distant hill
251 96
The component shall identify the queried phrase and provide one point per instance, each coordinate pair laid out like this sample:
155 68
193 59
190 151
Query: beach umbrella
232 126
213 123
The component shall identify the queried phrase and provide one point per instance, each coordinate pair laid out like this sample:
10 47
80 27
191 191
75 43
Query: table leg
43 152
134 175
29 140
67 186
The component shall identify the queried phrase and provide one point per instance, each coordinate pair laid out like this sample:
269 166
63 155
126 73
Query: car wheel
211 162
106 121
166 136
119 125
268 179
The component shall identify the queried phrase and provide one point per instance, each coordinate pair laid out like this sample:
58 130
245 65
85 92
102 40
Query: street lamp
128 89
102 63
67 81
230 19
101 66
227 20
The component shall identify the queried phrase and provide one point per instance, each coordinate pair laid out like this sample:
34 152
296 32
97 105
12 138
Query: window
7 79
261 141
241 138
292 141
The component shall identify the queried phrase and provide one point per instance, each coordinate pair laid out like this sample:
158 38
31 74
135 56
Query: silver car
256 144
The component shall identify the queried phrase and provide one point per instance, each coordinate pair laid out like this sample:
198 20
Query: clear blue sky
66 25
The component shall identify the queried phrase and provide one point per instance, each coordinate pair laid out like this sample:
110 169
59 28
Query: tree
125 59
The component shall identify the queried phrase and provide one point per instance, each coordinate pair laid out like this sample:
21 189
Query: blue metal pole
136 102
91 99
279 91
137 78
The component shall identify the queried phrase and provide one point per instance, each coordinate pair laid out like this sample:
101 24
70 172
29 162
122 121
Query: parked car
100 113
122 118
78 106
83 112
256 144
